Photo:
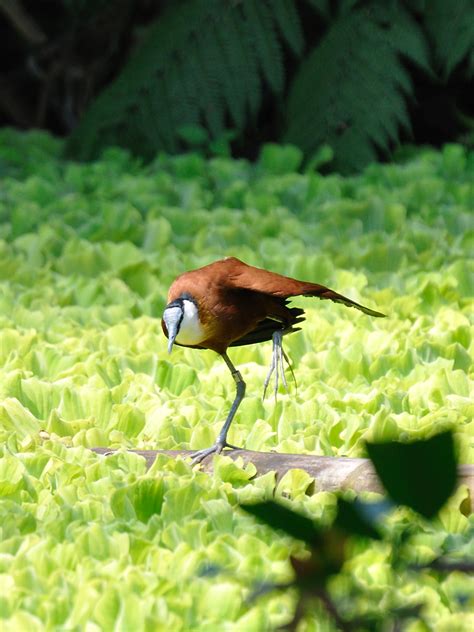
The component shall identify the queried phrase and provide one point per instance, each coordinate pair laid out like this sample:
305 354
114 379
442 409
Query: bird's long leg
277 363
221 441
269 374
281 354
287 359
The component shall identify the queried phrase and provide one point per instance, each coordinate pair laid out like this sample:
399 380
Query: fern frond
346 6
450 25
323 7
402 32
264 41
204 62
183 91
240 43
287 20
348 97
233 56
205 51
145 118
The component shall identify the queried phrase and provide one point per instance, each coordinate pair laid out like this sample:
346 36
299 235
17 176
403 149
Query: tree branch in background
23 23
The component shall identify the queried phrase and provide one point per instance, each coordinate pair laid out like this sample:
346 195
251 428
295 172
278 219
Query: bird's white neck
190 331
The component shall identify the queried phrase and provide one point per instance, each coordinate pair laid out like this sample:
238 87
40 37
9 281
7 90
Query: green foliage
349 97
87 253
422 475
208 63
280 159
139 501
450 26
322 6
201 60
197 138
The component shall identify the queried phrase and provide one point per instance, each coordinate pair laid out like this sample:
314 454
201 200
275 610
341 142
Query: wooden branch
22 21
330 473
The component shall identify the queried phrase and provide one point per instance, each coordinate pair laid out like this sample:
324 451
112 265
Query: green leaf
323 155
16 418
141 501
279 159
295 483
182 502
451 27
285 15
147 497
193 135
421 475
353 518
280 517
234 472
11 475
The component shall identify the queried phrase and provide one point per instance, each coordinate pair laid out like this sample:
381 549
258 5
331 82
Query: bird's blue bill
172 317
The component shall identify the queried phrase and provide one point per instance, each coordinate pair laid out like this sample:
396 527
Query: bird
229 303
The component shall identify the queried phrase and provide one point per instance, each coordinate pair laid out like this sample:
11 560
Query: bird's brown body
229 303
240 304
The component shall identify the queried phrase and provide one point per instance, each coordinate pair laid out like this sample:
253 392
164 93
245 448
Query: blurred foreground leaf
355 519
421 475
279 517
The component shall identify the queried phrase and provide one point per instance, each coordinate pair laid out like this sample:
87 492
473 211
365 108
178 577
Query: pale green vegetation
87 252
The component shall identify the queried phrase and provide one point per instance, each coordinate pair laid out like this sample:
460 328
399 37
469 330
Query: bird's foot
277 367
200 455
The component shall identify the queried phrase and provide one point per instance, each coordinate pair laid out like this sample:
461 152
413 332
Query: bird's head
181 322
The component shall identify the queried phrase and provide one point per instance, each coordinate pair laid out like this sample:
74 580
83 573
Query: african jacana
229 303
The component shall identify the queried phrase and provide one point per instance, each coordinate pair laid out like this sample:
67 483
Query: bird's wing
244 277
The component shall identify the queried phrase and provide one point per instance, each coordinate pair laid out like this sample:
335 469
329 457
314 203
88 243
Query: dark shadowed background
224 76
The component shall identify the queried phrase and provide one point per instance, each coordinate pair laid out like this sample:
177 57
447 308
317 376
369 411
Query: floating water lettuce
87 252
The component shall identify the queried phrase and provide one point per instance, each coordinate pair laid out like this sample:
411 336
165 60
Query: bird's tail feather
319 291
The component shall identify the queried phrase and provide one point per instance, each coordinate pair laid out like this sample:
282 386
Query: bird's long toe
217 448
277 367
